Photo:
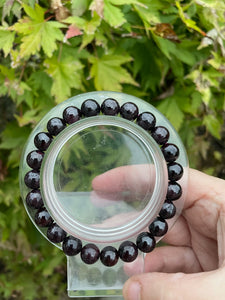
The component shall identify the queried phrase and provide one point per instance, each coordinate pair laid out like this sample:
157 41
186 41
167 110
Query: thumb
178 286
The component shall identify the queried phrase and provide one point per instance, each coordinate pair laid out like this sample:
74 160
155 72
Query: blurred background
169 53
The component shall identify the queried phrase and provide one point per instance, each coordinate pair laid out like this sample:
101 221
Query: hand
192 266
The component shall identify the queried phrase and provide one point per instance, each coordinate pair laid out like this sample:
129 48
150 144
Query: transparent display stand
103 180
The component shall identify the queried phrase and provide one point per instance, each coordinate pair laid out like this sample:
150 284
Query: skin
192 265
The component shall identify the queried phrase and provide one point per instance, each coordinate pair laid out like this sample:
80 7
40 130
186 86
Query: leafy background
170 53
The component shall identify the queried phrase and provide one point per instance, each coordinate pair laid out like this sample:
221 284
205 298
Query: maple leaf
6 40
89 27
108 73
169 107
37 33
113 15
108 10
65 74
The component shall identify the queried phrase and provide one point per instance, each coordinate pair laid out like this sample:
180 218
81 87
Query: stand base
85 281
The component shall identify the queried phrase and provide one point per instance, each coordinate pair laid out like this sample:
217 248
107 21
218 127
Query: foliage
170 53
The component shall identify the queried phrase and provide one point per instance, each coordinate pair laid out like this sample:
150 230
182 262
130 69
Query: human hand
192 266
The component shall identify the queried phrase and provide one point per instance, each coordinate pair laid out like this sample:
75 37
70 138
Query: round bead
71 114
160 134
168 210
146 120
71 246
174 191
110 107
158 227
55 233
129 111
34 199
90 254
145 242
55 126
128 251
109 256
34 159
170 152
42 140
175 171
42 218
90 108
32 179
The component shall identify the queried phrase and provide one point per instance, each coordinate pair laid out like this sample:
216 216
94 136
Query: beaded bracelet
71 245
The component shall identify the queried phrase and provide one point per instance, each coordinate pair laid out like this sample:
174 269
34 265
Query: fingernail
134 291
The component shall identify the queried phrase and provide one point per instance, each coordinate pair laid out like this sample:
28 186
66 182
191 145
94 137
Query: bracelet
72 245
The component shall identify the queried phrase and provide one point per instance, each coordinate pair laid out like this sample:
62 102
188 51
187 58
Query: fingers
179 234
170 259
202 186
176 286
167 259
140 178
221 236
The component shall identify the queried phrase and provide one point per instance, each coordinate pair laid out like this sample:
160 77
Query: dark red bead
160 134
34 199
109 256
55 126
32 179
55 233
145 242
170 152
42 140
34 159
110 107
71 246
146 120
129 111
42 218
158 227
168 210
90 254
128 251
174 191
90 108
175 171
71 114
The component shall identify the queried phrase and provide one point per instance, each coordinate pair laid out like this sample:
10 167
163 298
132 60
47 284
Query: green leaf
66 74
213 125
188 22
29 117
113 15
79 7
167 47
171 110
149 12
36 32
79 22
108 73
89 27
6 40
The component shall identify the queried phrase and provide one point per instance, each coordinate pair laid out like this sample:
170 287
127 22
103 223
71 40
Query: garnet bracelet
71 245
